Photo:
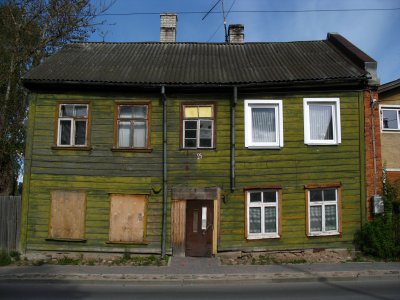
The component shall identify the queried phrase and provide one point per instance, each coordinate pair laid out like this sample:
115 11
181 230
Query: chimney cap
238 26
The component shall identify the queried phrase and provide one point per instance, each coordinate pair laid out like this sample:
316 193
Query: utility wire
257 11
205 16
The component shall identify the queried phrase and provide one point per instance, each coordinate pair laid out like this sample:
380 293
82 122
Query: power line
205 16
257 11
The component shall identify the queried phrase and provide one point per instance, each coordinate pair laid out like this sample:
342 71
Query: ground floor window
323 210
128 218
263 210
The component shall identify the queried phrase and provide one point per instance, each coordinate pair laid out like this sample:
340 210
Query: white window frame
389 107
73 126
337 133
277 105
323 203
262 205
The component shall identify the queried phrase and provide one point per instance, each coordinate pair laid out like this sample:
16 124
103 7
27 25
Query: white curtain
270 219
139 135
316 218
255 219
321 125
330 217
124 129
263 125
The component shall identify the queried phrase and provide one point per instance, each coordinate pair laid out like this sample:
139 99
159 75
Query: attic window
198 126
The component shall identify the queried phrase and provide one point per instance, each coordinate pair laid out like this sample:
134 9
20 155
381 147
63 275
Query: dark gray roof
196 63
389 86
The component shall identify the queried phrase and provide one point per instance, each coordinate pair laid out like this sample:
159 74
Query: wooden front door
199 228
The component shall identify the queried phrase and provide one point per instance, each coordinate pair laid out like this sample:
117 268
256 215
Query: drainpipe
233 143
165 185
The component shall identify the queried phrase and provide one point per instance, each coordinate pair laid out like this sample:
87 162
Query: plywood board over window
67 219
128 218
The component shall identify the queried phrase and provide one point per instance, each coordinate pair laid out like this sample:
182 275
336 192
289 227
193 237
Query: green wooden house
196 148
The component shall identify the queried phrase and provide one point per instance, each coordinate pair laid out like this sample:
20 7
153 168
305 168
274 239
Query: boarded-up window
128 218
67 215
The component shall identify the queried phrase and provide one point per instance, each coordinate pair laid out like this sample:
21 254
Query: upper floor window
132 125
73 125
263 123
322 121
198 126
390 118
262 213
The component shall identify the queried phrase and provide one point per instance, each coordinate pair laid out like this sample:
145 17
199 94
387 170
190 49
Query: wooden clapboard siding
98 172
101 172
294 166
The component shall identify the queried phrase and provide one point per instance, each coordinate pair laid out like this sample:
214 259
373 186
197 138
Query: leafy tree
30 31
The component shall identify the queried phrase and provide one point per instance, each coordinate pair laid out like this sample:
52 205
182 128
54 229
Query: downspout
165 184
233 142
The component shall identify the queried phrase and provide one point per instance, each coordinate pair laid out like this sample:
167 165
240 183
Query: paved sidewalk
203 270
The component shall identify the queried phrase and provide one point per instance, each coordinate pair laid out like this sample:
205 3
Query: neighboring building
389 98
196 148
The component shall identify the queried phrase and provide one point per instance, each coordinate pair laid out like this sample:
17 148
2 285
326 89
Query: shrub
5 258
378 237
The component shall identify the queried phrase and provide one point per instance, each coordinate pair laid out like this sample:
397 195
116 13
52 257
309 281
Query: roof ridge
194 43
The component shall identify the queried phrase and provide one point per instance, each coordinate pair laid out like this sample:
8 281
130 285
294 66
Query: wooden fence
10 222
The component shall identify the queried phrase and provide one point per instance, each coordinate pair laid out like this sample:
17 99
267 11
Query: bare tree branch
32 30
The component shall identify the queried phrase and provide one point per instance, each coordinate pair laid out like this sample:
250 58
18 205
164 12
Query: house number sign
199 156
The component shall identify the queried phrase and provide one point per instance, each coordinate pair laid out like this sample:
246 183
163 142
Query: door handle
208 226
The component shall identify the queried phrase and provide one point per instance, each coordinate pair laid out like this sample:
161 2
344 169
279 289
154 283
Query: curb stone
217 278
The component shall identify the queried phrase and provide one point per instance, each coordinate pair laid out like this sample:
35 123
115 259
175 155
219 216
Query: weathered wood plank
178 221
10 222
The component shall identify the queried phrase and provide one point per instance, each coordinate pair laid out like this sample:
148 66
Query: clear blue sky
376 32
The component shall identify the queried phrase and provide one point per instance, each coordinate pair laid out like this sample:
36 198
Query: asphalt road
382 289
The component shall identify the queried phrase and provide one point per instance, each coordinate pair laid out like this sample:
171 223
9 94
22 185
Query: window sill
322 234
263 237
322 144
141 150
66 240
72 148
197 149
127 243
263 147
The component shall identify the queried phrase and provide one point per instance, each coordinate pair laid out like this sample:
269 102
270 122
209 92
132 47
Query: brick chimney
236 33
168 27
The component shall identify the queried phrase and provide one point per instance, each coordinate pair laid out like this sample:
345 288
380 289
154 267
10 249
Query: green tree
30 31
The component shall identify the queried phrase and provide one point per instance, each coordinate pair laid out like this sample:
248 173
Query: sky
376 31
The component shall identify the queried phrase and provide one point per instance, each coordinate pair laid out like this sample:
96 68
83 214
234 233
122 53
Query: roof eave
34 85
